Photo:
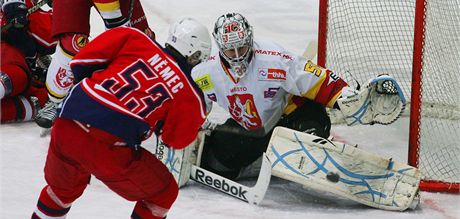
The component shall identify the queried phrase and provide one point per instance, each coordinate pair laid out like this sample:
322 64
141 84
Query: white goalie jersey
273 76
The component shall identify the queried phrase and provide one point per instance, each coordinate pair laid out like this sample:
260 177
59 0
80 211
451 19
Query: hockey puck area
333 177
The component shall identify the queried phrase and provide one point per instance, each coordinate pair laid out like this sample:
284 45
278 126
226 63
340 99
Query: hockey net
418 43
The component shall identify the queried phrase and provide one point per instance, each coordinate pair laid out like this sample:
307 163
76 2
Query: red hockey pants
77 151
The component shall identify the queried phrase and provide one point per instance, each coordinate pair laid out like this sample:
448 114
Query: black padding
234 151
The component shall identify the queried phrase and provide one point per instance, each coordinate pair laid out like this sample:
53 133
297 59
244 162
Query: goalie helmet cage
418 43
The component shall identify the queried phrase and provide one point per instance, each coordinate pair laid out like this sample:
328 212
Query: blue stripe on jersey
81 107
85 70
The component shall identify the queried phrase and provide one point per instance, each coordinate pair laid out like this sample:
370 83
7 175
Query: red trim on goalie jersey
330 89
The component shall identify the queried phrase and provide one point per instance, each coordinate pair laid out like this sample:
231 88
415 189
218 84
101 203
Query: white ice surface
292 24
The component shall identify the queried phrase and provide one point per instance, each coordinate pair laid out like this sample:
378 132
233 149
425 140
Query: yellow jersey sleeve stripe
330 104
106 7
313 91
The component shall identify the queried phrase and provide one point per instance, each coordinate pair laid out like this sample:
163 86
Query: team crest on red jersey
244 111
64 78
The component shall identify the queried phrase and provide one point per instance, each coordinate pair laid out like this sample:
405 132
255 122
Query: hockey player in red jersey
71 27
25 46
126 88
261 85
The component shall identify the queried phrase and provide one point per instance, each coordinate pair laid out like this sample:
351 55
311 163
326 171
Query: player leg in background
71 27
138 18
16 104
227 154
59 78
77 150
117 13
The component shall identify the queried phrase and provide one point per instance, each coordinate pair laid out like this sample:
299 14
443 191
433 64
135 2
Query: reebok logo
159 152
221 185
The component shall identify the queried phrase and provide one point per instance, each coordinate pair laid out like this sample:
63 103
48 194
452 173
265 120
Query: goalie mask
233 35
191 39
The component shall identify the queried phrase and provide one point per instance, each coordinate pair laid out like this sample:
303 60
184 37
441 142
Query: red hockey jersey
128 84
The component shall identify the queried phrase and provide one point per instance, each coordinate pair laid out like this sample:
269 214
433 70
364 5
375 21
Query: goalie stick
252 195
29 11
184 165
311 50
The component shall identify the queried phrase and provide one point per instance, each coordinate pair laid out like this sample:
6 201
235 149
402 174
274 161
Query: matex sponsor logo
272 74
274 53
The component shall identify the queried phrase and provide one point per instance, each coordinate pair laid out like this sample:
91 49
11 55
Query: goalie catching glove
380 101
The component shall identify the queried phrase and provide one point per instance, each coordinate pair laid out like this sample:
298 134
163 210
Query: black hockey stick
29 11
252 195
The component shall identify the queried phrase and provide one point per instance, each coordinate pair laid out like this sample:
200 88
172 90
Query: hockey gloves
381 101
16 13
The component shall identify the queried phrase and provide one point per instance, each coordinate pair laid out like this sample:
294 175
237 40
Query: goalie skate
343 170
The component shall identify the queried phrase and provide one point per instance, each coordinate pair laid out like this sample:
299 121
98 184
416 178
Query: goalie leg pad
180 161
343 170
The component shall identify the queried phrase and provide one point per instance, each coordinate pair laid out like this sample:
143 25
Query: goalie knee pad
211 163
228 153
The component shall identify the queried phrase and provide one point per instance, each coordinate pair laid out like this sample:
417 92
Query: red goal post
418 43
